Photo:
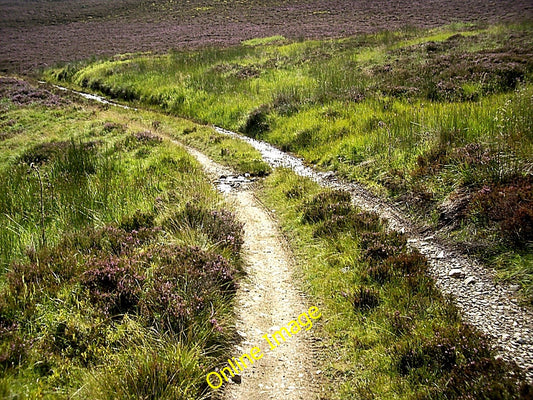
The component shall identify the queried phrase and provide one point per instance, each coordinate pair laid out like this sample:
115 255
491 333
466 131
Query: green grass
264 41
426 117
225 150
388 333
119 283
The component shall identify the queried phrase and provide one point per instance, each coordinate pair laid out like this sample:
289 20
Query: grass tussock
226 150
387 321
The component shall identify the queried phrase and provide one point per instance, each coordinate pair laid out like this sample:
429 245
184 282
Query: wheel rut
266 301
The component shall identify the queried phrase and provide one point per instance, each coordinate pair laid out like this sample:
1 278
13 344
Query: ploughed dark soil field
40 33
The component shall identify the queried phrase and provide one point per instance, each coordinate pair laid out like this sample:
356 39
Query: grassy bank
388 332
234 153
119 261
439 120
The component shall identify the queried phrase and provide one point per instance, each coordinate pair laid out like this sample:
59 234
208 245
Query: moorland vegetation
119 259
438 120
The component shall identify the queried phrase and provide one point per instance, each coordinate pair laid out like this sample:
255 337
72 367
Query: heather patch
508 206
185 283
21 93
114 284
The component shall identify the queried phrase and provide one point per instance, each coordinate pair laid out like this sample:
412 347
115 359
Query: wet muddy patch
230 183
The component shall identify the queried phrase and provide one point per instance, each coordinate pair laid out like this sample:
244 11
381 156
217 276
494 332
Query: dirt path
266 301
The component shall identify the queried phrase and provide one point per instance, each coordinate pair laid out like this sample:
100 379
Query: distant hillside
42 33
